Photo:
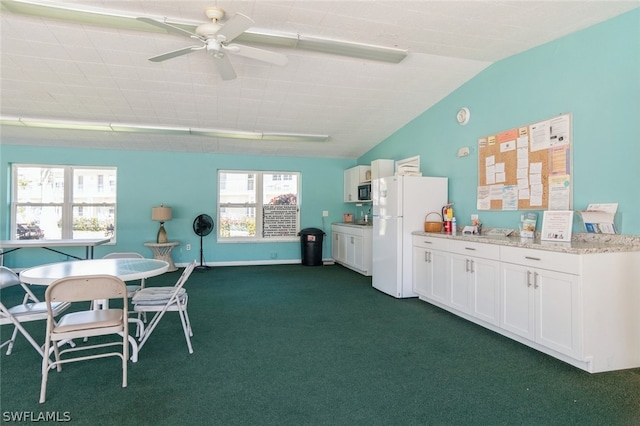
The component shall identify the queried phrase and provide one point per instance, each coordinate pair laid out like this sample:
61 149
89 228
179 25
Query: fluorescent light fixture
294 137
162 130
68 125
324 45
137 128
11 121
231 134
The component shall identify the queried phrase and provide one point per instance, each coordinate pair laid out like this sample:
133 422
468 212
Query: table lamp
161 214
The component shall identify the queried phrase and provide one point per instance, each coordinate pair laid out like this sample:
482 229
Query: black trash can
311 246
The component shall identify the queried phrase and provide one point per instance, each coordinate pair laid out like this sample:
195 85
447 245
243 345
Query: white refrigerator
400 204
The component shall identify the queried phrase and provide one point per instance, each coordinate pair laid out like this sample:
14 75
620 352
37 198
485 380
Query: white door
387 272
386 197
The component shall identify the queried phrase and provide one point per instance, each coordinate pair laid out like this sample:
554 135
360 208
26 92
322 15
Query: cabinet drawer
471 248
356 231
551 260
431 242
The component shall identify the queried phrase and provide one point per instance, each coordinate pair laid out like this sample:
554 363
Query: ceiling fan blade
255 53
175 53
167 27
235 26
224 67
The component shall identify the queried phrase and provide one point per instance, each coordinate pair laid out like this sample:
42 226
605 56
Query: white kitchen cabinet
581 307
475 280
430 268
351 247
382 168
539 304
352 178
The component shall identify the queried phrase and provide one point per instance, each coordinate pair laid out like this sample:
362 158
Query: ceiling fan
122 19
215 39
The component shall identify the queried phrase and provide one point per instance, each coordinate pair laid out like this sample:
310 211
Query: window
62 202
257 206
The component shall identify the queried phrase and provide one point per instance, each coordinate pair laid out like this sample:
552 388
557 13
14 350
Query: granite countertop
581 243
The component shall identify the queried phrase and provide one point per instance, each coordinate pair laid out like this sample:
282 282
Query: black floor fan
202 226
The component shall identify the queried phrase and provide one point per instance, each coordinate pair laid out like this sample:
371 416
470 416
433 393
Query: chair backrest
8 278
85 288
128 255
185 274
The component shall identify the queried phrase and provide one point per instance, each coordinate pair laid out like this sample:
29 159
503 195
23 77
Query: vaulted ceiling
89 64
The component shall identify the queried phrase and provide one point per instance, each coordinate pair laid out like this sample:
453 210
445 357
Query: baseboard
256 262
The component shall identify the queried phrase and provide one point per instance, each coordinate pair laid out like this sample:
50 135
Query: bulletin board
527 168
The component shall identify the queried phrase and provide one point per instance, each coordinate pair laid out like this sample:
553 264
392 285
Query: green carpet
297 345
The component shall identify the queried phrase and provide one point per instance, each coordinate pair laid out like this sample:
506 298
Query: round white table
125 269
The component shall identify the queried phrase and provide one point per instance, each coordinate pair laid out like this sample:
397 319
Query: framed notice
556 225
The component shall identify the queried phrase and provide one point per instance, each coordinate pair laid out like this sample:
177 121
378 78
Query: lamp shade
161 214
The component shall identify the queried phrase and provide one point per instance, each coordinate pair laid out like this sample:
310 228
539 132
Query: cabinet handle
532 258
535 280
430 257
466 268
427 242
472 266
528 278
426 256
469 248
351 240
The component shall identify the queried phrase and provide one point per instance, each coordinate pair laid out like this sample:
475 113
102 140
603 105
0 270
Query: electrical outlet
188 247
325 213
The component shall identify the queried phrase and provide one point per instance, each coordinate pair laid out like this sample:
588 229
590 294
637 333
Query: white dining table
125 269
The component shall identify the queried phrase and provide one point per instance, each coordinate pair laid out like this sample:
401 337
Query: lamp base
162 235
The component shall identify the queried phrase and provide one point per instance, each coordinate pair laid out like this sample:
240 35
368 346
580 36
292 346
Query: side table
162 251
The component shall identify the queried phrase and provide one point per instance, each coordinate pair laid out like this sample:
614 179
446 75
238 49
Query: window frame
67 205
257 177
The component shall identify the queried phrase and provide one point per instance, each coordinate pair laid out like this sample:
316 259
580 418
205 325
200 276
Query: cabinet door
350 194
421 271
485 290
517 302
557 319
459 283
353 251
338 248
439 276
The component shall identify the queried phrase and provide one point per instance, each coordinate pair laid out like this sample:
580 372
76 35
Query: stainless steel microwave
364 191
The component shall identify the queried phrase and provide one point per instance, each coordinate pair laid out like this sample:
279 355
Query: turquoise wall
593 74
188 183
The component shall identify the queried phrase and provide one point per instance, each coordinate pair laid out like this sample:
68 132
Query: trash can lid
311 231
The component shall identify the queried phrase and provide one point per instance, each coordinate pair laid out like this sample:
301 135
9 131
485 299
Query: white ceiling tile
82 71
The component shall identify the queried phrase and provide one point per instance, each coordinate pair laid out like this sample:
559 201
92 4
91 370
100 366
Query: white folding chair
160 300
100 322
29 310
